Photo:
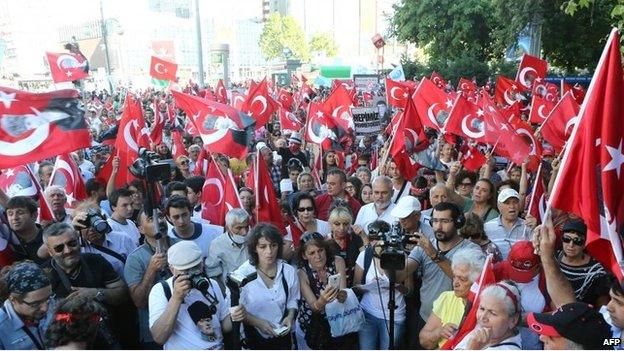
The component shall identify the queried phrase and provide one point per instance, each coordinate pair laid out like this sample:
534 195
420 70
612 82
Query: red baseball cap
519 264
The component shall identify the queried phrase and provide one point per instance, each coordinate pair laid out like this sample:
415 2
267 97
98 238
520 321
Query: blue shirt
12 331
504 238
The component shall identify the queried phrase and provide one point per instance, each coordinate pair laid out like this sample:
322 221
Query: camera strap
109 252
368 259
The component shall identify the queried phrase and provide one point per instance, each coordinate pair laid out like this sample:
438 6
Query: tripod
391 306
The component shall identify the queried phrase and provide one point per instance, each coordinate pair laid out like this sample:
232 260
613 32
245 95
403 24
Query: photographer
189 310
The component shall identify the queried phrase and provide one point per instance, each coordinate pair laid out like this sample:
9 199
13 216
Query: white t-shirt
511 343
368 214
186 334
203 235
270 303
370 301
322 228
130 229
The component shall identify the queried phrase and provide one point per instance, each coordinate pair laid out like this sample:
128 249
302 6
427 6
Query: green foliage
323 42
280 33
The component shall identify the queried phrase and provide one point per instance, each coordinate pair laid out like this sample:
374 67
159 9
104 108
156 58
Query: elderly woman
448 308
305 183
303 208
270 299
344 242
184 164
498 316
316 265
364 174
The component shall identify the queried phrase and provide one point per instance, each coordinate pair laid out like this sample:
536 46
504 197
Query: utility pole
200 56
105 39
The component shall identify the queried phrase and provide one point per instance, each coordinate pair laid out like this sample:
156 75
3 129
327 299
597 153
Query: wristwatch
438 257
99 296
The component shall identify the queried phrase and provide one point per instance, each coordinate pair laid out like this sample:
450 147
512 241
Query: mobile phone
334 281
281 330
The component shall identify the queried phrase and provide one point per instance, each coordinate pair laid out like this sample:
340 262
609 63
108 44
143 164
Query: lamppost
105 39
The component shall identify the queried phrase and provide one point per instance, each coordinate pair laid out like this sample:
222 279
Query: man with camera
189 310
407 210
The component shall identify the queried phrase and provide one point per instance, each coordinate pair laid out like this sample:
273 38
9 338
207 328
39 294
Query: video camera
96 221
149 167
392 244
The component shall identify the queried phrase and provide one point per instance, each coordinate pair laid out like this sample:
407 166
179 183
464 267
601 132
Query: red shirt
323 203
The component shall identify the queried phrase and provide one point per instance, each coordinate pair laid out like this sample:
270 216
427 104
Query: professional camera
149 167
198 279
391 242
96 221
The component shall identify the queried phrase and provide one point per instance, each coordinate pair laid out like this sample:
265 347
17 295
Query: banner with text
366 120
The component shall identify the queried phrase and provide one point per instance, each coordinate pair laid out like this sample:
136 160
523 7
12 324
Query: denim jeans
374 333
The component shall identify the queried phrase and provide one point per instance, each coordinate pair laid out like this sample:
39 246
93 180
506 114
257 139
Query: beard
443 236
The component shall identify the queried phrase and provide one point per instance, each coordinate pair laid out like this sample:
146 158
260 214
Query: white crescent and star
431 116
127 133
263 102
62 58
617 159
469 133
393 95
571 123
531 137
28 144
508 99
540 112
7 98
216 182
522 75
160 65
215 136
314 138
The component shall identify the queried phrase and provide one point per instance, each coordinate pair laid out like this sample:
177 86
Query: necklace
265 274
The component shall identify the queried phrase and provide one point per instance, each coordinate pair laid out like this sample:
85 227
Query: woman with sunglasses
303 208
316 265
589 279
183 164
343 241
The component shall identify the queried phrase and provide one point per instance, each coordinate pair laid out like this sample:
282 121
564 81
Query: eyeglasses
72 244
441 220
576 241
311 236
184 162
36 304
303 209
523 265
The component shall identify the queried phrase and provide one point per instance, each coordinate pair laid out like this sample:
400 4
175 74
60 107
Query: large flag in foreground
37 126
590 179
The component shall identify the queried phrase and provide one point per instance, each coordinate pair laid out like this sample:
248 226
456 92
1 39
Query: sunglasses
303 209
311 236
72 244
184 162
576 241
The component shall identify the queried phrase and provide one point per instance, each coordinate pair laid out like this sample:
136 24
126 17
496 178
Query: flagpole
537 178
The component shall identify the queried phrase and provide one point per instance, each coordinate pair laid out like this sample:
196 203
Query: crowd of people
106 274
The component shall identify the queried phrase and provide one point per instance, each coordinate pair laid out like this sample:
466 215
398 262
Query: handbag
345 318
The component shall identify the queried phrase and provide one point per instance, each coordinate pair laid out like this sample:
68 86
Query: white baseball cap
506 194
184 255
405 207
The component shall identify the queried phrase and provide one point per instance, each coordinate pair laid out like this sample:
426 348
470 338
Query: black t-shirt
349 254
28 250
94 271
287 155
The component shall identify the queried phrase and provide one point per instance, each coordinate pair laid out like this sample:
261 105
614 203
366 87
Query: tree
282 38
615 7
323 43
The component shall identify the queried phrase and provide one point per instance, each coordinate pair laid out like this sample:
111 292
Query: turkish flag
66 174
321 129
38 126
18 182
437 79
577 91
221 92
537 203
288 121
267 205
547 91
466 120
590 182
223 129
409 138
557 128
259 104
397 93
201 165
156 133
219 195
163 70
532 69
466 86
178 148
339 103
473 159
469 321
237 100
67 67
285 98
507 91
131 127
432 104
317 167
540 109
502 134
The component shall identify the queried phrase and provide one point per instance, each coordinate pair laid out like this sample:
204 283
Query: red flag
432 104
507 91
437 79
17 182
339 103
221 92
524 130
409 138
219 195
128 136
285 98
66 174
577 91
466 86
547 91
532 69
67 67
498 131
558 126
267 205
397 93
259 104
320 128
158 125
317 168
288 121
238 100
540 109
222 128
466 119
590 179
537 204
473 159
178 148
201 165
163 70
38 126
470 319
